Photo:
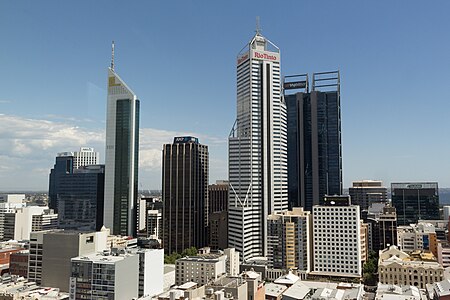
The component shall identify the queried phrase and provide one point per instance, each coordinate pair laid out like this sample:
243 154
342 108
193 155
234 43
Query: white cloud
28 148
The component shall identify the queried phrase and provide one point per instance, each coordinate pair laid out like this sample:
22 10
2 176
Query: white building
154 224
151 271
20 222
111 276
232 266
85 157
12 198
257 148
415 236
337 238
122 150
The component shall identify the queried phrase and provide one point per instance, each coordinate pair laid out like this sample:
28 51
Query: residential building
337 238
51 251
257 165
415 201
418 269
314 138
122 156
366 192
185 172
105 276
289 240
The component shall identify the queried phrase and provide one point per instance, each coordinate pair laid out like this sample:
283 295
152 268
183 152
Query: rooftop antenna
258 27
112 56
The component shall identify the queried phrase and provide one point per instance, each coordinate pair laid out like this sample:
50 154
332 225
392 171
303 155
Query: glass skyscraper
122 157
415 201
314 139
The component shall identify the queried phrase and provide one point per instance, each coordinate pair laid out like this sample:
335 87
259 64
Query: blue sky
179 57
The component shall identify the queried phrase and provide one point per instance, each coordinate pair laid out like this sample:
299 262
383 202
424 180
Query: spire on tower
112 56
258 27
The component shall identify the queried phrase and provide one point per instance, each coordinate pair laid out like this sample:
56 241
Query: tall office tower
257 148
122 156
314 138
337 238
366 192
63 165
289 240
85 157
415 201
218 196
185 194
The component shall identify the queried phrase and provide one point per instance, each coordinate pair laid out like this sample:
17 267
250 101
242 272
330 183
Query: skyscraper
122 156
185 194
257 148
85 157
314 138
415 201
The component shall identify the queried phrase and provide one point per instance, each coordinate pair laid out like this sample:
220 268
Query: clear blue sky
179 57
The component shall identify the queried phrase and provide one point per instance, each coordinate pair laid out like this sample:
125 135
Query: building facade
289 240
257 148
314 138
200 269
122 157
415 201
382 226
337 238
366 192
185 194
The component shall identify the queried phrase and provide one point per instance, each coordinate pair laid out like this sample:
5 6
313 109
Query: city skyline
393 67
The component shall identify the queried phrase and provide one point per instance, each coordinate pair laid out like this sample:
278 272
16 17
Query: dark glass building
415 201
314 138
185 194
218 215
78 194
63 166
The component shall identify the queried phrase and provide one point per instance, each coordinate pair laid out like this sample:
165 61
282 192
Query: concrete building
441 290
257 148
104 276
122 156
51 251
418 269
415 201
18 263
314 138
185 173
20 222
421 236
364 238
443 253
151 271
381 219
200 269
398 292
446 212
366 192
85 157
289 240
337 238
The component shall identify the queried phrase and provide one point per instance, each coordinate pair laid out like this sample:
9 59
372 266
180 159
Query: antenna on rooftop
258 27
112 56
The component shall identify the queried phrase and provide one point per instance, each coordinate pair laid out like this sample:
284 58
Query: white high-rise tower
257 148
122 156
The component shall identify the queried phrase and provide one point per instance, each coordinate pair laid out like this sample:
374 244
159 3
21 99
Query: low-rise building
18 263
200 269
396 267
398 292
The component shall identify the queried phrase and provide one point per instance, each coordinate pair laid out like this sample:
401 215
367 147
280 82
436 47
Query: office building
337 238
399 268
122 156
200 269
314 138
85 157
104 276
381 219
366 192
257 166
78 193
289 240
18 263
415 201
19 223
218 194
185 194
51 251
417 237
